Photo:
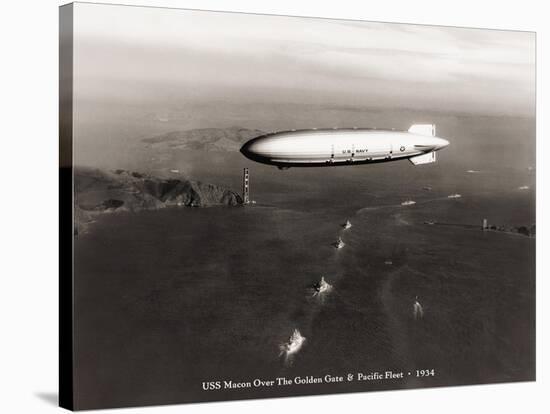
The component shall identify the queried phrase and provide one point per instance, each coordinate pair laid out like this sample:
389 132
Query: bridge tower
246 187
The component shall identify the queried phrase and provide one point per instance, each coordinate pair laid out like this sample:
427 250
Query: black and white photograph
233 206
267 206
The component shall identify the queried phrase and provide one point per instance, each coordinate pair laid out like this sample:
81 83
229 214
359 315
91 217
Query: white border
28 207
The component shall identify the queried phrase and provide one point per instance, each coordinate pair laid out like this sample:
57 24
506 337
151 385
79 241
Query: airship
348 146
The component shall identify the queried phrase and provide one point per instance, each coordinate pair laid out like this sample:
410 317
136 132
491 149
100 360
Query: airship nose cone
251 149
246 148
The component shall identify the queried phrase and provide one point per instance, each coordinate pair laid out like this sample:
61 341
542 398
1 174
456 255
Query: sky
154 55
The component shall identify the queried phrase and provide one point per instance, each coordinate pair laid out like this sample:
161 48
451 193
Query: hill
98 192
205 139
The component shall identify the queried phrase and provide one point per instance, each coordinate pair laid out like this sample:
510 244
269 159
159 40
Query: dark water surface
168 299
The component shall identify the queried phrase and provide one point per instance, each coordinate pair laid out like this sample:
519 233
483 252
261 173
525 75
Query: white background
29 209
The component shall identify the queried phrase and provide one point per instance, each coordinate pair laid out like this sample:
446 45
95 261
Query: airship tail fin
423 129
424 158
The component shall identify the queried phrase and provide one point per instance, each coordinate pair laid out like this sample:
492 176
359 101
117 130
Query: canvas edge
66 219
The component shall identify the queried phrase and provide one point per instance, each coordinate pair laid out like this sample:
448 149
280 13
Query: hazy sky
151 56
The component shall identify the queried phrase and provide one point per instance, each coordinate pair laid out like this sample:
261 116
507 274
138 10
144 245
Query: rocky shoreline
98 192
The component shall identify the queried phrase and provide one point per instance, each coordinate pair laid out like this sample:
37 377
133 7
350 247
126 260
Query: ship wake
290 348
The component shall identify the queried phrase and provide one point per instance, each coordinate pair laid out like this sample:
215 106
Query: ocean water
169 299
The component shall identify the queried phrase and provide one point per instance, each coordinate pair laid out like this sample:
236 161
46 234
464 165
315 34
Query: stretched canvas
260 206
